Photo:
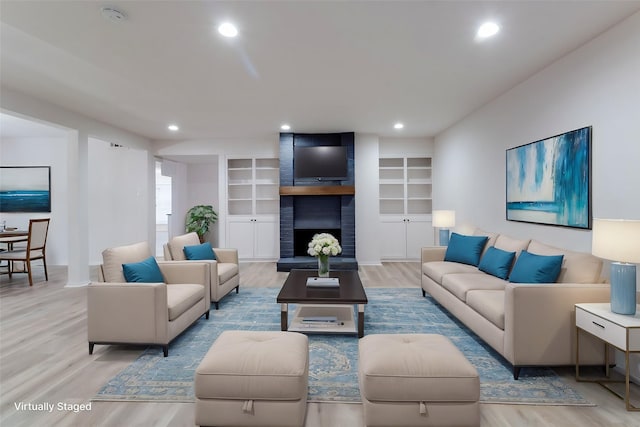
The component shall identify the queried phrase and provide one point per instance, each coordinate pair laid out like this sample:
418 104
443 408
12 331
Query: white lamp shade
616 240
444 219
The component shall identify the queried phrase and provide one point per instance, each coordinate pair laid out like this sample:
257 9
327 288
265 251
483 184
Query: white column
78 199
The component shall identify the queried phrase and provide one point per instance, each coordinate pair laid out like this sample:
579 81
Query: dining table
9 237
13 234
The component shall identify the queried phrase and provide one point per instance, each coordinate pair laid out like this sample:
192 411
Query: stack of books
323 282
321 321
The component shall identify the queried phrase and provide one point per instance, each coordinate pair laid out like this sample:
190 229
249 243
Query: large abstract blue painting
549 181
25 189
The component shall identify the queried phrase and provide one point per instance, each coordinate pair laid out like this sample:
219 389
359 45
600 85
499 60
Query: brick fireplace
308 207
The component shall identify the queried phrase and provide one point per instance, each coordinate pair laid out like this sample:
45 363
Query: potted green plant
199 219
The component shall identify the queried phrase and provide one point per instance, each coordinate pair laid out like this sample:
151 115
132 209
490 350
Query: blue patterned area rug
333 371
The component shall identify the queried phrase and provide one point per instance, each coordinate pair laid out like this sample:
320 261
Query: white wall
193 158
43 151
366 148
79 128
118 197
597 85
202 184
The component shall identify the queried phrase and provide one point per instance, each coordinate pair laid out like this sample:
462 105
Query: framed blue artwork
25 189
549 181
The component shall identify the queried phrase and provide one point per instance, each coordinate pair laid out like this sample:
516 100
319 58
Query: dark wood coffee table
323 301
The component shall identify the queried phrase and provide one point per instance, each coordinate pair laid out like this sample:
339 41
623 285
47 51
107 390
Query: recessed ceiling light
487 29
398 126
227 29
173 128
285 127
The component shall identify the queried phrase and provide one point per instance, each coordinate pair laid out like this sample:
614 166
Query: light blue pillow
497 262
465 249
532 268
199 252
146 271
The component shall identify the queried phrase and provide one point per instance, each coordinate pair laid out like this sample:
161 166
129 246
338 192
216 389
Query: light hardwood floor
44 359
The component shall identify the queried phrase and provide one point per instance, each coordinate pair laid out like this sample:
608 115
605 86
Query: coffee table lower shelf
345 323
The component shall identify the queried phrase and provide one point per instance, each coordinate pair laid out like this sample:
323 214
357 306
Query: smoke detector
112 14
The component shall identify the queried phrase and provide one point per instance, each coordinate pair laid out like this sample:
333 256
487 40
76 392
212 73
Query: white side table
620 331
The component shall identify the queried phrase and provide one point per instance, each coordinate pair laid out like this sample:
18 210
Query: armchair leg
165 350
206 316
216 304
91 347
424 293
237 289
516 372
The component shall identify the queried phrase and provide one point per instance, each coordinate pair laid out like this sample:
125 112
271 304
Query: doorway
163 209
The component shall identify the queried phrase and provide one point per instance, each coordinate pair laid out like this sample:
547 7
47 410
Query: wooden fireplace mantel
318 190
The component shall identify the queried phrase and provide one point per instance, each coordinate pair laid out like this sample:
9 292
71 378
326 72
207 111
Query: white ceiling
320 66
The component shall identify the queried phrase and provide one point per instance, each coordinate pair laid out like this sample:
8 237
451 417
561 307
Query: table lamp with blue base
444 220
619 240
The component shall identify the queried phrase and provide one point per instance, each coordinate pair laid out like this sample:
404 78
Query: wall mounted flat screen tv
320 162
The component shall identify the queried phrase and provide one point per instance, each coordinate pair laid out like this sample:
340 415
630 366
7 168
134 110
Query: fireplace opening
302 237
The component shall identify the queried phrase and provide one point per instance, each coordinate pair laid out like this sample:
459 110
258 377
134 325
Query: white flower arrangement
324 244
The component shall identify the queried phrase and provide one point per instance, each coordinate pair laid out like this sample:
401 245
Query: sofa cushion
436 270
490 241
200 252
510 244
181 298
497 262
460 284
146 271
465 249
226 271
577 267
179 242
531 268
489 304
113 258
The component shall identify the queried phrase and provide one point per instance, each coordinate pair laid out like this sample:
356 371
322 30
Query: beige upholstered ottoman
253 378
416 380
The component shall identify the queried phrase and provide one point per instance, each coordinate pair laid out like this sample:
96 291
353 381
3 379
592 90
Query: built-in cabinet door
240 235
267 233
254 237
393 240
403 237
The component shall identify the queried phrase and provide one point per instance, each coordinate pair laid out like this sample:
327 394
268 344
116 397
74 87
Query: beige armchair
224 273
145 313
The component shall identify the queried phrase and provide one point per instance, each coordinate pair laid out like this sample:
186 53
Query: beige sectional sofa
528 324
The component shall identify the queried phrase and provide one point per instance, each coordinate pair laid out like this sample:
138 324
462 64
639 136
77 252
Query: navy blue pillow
532 268
465 249
497 262
146 271
199 252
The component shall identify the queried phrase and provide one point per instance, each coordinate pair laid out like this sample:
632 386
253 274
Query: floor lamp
619 241
444 220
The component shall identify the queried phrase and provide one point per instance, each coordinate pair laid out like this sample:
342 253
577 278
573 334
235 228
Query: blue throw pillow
199 252
497 262
465 249
532 268
146 271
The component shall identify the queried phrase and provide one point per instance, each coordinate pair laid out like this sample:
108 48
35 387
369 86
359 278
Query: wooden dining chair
36 249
